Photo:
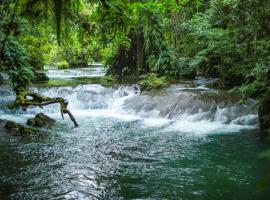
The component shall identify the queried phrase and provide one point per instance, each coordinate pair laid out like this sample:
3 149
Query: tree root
25 99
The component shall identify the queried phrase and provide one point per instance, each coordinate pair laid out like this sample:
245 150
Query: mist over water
183 143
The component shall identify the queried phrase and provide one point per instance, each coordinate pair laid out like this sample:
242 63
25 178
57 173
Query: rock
31 122
3 122
40 77
41 120
21 130
12 126
30 131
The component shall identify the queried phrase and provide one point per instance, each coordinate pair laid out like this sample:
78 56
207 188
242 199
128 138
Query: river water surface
183 143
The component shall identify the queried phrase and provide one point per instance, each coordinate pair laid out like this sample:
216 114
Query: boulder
31 122
41 120
30 131
40 77
21 130
12 126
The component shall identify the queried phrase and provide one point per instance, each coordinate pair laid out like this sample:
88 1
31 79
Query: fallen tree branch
25 99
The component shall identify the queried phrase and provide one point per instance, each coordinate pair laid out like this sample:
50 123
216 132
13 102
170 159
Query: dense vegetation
152 41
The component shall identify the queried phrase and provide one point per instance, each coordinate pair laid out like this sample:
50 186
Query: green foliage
110 79
15 61
63 65
152 81
184 68
39 46
75 57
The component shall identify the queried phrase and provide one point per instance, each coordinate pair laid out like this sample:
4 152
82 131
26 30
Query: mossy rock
30 131
41 120
21 130
40 77
31 122
12 126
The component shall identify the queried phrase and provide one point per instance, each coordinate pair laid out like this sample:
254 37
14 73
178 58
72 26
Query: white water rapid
184 109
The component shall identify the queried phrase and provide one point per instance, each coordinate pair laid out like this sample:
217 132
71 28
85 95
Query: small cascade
192 107
83 97
75 73
180 108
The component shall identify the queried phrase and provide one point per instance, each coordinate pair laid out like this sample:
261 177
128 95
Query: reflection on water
109 158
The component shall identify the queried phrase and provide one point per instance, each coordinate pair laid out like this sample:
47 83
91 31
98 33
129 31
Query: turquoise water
112 158
188 142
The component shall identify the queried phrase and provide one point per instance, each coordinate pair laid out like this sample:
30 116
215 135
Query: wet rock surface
40 77
20 130
41 120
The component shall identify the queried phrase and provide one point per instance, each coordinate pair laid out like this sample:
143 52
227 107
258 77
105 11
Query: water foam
182 111
75 73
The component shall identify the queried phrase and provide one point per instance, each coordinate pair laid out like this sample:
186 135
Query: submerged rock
12 126
21 130
41 120
30 131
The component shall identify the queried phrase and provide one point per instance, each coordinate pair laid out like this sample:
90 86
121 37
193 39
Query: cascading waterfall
187 109
74 73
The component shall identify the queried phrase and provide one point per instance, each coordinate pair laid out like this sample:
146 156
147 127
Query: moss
12 126
30 131
41 120
20 130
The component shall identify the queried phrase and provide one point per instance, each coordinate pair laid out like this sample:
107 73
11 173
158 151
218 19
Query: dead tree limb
26 98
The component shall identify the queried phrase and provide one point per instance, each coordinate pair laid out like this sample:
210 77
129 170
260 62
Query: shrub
63 65
110 79
152 81
185 69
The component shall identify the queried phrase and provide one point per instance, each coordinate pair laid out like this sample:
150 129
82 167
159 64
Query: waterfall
188 107
183 107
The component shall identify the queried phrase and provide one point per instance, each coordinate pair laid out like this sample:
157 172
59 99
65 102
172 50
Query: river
185 142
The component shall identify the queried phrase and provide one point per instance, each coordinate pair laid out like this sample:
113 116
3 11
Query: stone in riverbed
41 120
12 126
31 122
30 131
40 77
21 130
